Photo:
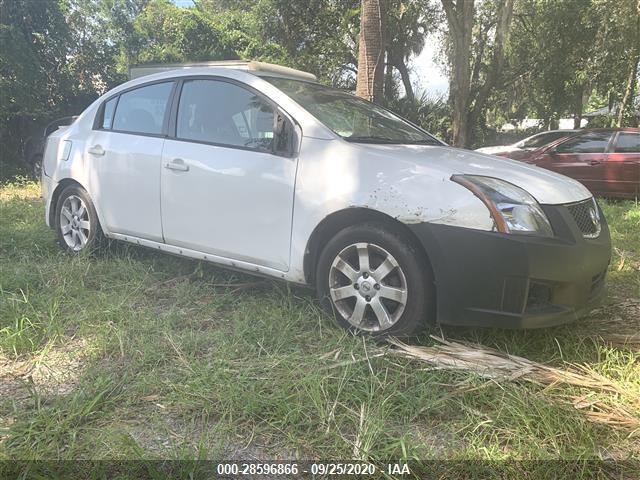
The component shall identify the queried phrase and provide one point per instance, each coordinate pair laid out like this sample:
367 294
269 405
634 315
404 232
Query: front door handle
595 162
96 150
177 164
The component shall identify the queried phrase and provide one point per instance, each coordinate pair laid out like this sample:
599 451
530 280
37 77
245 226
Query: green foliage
561 52
168 33
32 38
56 56
431 113
318 36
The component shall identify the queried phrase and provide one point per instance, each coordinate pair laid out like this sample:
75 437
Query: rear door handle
595 162
177 164
96 150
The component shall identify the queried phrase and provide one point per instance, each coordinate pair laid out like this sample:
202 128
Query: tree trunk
388 78
628 92
505 15
406 80
578 107
460 20
370 77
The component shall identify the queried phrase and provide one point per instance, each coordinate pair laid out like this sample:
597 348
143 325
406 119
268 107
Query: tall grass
156 358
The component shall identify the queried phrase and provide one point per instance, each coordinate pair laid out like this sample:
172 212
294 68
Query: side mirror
284 136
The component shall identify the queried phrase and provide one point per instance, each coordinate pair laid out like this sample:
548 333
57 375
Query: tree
168 33
474 71
371 51
32 68
628 16
318 36
565 55
460 21
408 24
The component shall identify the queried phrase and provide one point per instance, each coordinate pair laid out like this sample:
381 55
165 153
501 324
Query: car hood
545 186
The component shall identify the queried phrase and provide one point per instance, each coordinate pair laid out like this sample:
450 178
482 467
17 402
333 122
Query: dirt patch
161 432
53 371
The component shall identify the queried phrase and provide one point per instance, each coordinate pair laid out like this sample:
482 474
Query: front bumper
516 281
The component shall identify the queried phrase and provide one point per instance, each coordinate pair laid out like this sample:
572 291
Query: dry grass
617 325
599 411
618 407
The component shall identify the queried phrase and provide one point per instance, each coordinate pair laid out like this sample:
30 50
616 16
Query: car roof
568 130
609 130
250 66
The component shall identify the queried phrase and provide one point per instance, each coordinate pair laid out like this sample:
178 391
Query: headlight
512 208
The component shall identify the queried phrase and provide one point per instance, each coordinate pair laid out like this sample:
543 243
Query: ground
130 354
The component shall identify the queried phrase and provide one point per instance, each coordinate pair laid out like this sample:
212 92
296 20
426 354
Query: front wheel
375 281
76 220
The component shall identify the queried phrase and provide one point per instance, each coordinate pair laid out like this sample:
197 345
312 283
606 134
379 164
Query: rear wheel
375 281
76 220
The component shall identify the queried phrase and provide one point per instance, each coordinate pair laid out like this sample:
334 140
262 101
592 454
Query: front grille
539 297
587 217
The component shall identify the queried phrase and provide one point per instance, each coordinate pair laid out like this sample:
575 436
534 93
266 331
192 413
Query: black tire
93 233
411 275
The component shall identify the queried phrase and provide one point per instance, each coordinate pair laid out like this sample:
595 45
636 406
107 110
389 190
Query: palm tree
371 50
409 23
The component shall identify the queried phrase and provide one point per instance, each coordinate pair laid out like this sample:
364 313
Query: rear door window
143 110
628 142
595 142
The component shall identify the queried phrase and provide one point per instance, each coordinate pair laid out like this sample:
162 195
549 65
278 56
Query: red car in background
606 161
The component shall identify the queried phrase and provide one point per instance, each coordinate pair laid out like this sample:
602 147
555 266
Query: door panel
587 168
124 155
582 157
223 190
622 174
230 202
125 181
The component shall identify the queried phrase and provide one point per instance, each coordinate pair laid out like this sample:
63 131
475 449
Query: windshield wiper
370 139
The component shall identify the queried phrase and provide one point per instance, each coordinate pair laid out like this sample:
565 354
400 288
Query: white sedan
264 170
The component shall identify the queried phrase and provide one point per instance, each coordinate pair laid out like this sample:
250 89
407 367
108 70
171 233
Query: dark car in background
606 161
33 148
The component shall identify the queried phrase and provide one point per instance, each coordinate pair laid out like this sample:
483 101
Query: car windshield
351 117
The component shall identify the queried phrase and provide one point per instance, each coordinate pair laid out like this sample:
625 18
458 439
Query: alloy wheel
368 287
74 223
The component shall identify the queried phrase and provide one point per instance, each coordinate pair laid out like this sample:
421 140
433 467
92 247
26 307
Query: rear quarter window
107 113
628 142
